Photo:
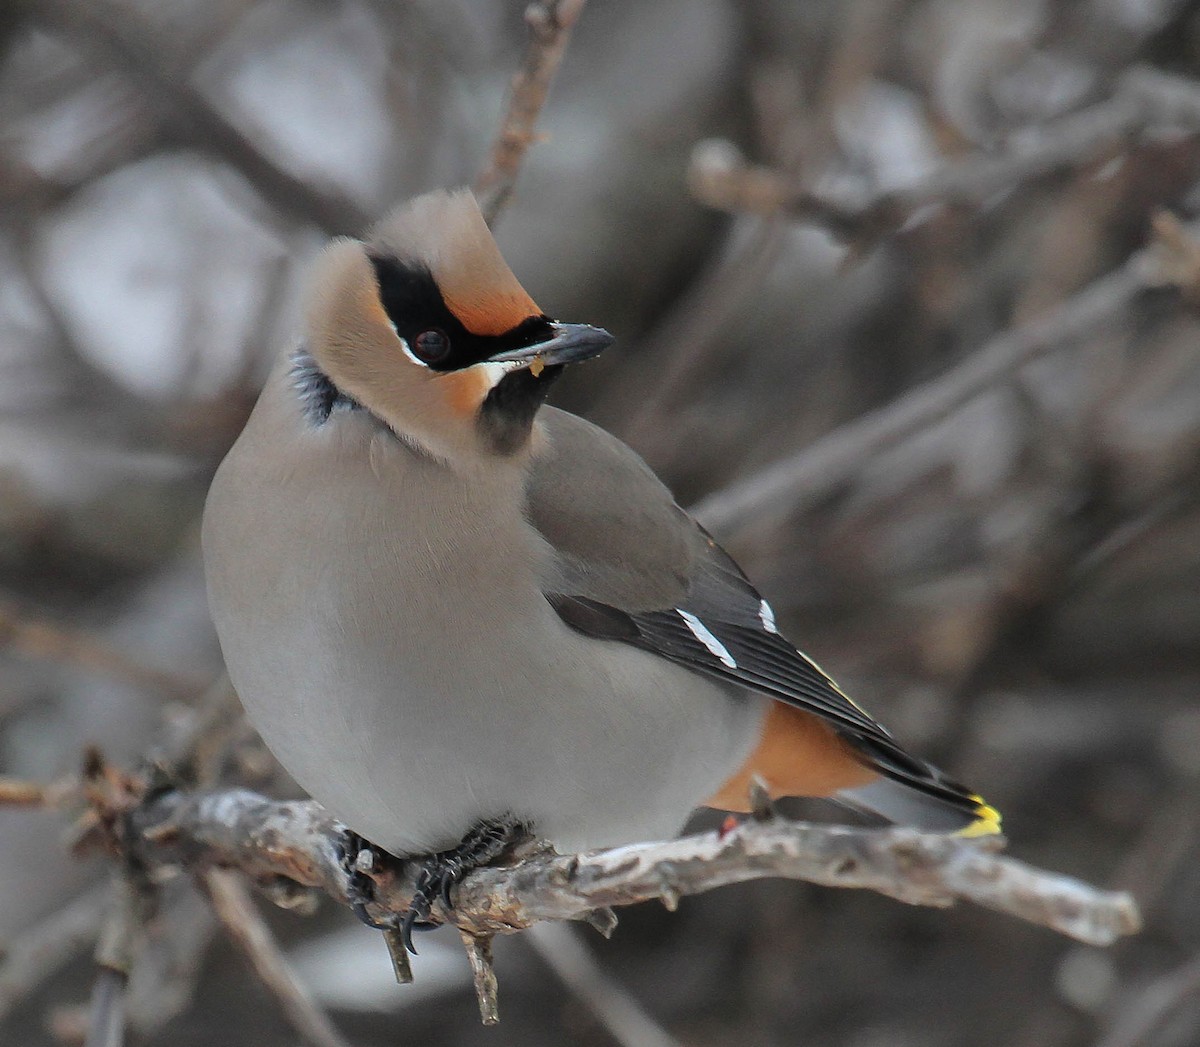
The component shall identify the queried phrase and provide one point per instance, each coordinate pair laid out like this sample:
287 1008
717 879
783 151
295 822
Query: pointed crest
445 231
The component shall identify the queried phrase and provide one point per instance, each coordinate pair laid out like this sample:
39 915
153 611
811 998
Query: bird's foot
486 842
360 858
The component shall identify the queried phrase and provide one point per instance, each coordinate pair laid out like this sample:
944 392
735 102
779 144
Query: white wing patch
767 616
715 647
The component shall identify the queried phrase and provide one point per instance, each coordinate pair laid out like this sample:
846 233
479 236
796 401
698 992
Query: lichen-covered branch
298 840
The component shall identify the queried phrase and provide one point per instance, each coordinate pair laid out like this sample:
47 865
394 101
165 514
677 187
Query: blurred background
1012 583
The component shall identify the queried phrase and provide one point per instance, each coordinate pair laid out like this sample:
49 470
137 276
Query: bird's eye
431 346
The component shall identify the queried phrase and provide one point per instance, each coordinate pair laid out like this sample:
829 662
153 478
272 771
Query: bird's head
426 326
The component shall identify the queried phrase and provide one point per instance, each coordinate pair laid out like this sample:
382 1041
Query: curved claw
406 928
360 910
438 873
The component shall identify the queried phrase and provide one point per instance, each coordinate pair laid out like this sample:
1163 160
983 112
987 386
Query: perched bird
453 612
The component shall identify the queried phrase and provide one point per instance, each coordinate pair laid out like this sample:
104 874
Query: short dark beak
570 344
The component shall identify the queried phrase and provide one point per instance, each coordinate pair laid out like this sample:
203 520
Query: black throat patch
506 417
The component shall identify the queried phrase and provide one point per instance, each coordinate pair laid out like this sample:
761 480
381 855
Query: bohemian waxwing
447 607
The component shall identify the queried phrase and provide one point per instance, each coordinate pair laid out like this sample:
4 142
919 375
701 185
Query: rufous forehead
480 289
485 311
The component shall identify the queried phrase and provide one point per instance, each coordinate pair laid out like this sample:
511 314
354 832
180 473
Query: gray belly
412 705
595 744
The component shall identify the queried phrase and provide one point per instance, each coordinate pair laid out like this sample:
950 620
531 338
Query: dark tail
912 792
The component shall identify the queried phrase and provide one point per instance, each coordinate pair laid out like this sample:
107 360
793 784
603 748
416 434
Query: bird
457 614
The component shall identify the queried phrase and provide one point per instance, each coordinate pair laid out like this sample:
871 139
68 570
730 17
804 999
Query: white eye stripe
409 353
701 633
404 345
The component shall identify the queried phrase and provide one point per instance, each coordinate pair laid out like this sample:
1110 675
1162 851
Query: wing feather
632 567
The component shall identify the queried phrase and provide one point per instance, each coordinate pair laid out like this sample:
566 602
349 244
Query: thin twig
687 344
688 337
550 23
193 749
818 470
242 921
483 972
560 946
299 840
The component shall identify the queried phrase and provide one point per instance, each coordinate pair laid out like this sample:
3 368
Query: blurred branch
1145 102
120 940
563 951
167 977
299 840
818 470
15 792
550 23
1139 1018
241 920
688 337
687 343
38 953
124 40
106 1010
41 639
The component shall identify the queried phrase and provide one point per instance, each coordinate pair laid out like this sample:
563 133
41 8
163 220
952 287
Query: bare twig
686 340
483 972
1168 838
241 920
687 343
818 470
559 945
193 748
299 840
550 23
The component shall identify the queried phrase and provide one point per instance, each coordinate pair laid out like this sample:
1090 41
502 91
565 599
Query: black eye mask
434 335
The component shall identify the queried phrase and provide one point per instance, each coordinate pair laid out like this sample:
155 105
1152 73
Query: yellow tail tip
987 821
